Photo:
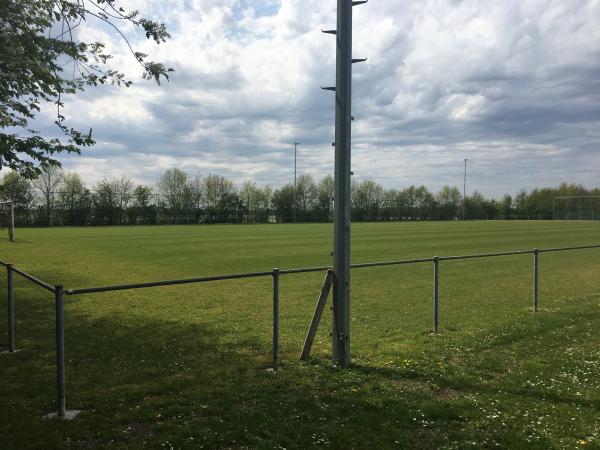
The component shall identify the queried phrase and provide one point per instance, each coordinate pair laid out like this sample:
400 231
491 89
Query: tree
367 199
230 208
141 204
123 188
506 206
521 202
214 189
47 183
410 198
477 206
324 200
448 200
17 189
283 203
73 198
41 62
393 203
424 200
172 186
306 195
191 198
264 204
250 195
106 202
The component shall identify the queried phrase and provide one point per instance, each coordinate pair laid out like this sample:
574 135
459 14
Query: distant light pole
295 160
465 193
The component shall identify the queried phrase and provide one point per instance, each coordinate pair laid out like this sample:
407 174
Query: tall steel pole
295 159
465 193
341 220
343 139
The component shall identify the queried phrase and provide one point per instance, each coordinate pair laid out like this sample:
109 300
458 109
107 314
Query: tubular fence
59 294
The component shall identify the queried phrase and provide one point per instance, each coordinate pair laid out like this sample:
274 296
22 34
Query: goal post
576 207
7 208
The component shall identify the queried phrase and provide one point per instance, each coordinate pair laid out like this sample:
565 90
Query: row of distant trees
62 198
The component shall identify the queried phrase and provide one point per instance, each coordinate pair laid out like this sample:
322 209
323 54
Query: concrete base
69 415
7 352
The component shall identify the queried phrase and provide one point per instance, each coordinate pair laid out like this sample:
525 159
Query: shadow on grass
147 383
16 241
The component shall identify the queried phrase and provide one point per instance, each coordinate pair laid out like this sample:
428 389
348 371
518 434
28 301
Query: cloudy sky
512 85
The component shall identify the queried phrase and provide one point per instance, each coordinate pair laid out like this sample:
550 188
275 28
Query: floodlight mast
465 193
295 183
342 195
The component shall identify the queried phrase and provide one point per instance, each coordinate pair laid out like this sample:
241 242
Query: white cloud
511 85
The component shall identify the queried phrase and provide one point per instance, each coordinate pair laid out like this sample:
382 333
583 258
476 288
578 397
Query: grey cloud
514 87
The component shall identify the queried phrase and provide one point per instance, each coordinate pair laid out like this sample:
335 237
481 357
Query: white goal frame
11 219
572 197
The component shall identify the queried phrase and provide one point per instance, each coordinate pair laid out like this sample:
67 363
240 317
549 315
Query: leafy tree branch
38 46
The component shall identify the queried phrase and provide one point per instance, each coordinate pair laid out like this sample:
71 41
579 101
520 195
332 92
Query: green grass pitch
184 366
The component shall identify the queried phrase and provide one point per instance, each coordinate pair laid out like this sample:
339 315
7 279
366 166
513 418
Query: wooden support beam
314 325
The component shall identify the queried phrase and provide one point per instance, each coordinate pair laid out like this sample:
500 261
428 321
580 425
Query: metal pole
275 319
436 294
11 309
343 121
465 193
295 184
536 253
60 352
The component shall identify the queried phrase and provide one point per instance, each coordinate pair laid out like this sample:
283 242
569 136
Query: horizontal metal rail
391 263
31 278
34 280
306 270
123 287
563 249
485 255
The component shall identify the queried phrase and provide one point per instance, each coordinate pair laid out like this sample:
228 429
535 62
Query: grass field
184 366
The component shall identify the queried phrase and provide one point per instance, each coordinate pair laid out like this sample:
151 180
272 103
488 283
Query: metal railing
59 294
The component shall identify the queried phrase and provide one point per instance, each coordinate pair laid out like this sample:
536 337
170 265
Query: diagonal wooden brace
314 325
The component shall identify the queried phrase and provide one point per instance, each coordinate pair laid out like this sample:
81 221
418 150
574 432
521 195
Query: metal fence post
60 351
11 308
436 294
536 254
61 407
275 319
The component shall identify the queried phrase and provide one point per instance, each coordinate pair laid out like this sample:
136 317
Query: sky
511 85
